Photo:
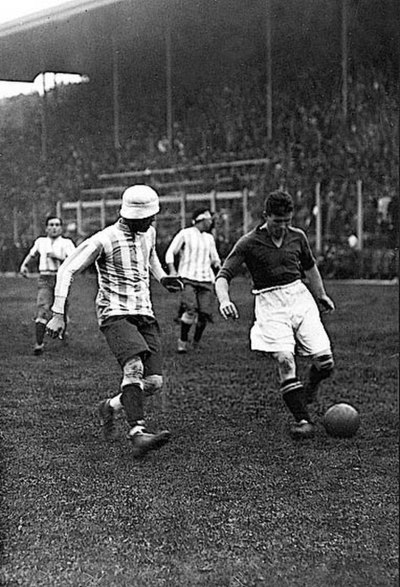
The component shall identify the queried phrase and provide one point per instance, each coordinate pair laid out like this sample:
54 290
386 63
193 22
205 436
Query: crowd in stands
227 122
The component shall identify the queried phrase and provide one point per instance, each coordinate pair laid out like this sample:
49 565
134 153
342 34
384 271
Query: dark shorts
129 336
198 297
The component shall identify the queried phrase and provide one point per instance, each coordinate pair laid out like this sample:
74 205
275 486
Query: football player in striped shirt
125 256
51 250
287 316
198 263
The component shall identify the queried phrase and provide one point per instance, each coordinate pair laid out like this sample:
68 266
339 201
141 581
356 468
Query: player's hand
24 271
326 305
172 283
56 326
228 310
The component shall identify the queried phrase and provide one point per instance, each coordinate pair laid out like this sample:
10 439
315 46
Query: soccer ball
341 421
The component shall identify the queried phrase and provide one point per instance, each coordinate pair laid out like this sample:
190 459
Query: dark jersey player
287 316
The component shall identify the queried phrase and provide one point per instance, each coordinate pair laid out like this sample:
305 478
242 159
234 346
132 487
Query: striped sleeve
154 262
215 259
80 259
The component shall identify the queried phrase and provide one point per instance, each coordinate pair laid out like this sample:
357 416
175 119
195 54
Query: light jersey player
51 250
198 263
287 317
125 255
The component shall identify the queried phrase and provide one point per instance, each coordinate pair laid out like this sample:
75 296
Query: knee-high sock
294 397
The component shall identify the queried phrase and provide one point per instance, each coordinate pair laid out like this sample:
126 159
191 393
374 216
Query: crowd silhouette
226 121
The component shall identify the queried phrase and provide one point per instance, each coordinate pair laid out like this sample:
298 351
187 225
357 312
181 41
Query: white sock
139 427
115 402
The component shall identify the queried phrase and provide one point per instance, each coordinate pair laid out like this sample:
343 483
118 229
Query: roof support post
168 58
44 130
115 89
268 68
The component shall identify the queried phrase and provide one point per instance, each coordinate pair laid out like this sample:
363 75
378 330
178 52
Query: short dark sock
185 328
40 330
198 333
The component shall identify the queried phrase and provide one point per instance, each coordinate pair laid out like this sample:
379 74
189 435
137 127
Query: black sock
294 397
315 375
40 330
198 333
185 328
132 400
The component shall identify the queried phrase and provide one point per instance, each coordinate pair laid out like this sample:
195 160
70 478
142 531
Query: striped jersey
61 247
124 262
197 254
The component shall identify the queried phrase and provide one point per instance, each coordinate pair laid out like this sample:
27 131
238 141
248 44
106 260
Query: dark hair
199 211
53 218
279 203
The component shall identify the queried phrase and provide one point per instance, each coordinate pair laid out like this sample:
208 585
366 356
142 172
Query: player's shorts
129 336
45 298
287 319
198 296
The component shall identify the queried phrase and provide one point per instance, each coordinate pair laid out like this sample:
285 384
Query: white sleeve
215 258
175 246
80 259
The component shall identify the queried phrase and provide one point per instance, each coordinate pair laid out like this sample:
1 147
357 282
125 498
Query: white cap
139 201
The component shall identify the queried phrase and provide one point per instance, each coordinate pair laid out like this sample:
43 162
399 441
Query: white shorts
287 319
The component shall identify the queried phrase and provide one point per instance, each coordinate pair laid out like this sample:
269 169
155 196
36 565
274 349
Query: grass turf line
232 500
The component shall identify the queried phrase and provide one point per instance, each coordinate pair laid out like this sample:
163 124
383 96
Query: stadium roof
74 37
78 36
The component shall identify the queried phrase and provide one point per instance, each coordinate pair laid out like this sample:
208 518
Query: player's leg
130 347
141 439
189 316
314 342
321 368
272 333
44 302
293 394
204 304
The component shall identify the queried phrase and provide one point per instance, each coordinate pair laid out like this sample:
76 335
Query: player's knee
324 364
133 372
152 384
286 364
189 316
41 319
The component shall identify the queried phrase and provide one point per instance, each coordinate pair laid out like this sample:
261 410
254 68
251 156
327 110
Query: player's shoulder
248 236
296 231
66 240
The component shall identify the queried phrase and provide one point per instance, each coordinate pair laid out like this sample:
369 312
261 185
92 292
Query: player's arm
215 258
173 250
222 283
318 290
82 257
24 271
226 306
172 283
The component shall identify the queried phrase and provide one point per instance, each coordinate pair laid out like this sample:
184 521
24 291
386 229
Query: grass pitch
232 500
